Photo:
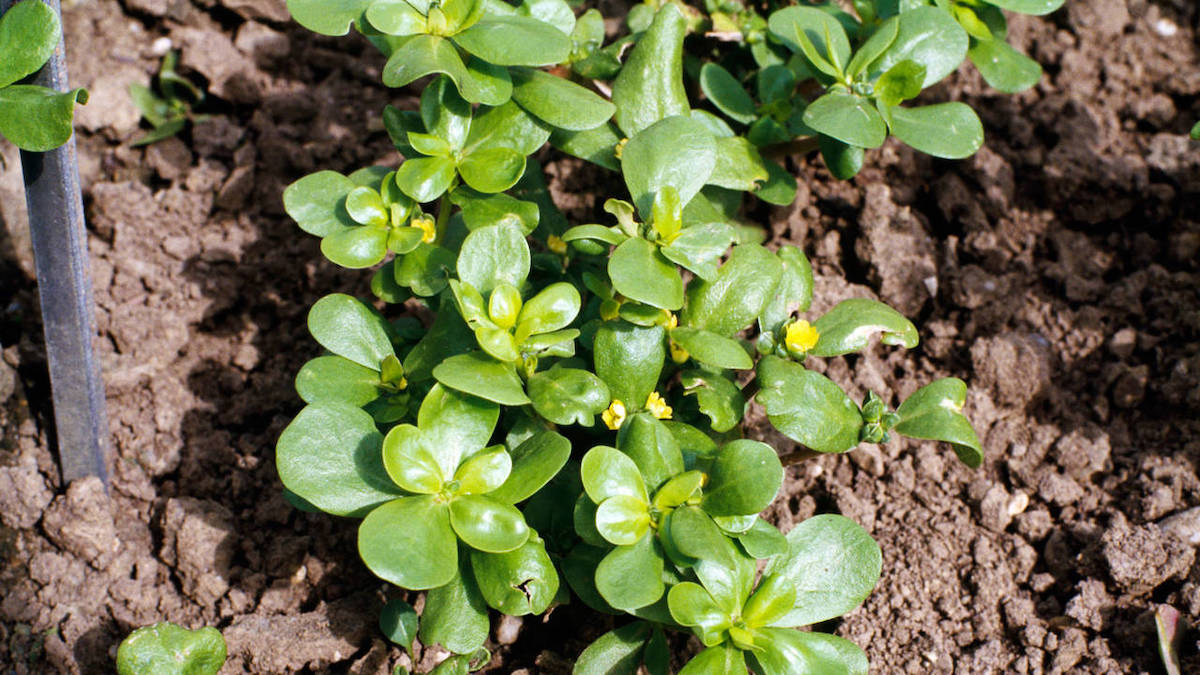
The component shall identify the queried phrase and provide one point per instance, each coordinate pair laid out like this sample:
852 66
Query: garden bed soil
1056 271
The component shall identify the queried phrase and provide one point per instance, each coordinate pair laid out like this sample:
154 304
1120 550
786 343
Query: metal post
55 207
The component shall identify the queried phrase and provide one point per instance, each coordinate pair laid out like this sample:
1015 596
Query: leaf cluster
34 118
168 105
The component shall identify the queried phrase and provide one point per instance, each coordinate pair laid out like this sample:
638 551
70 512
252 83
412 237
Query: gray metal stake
65 290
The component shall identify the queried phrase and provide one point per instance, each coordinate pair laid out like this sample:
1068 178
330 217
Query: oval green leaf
639 272
851 324
488 525
808 407
347 327
408 542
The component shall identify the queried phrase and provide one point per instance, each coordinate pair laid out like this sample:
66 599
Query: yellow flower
658 407
620 147
556 244
614 417
801 337
427 227
672 321
678 354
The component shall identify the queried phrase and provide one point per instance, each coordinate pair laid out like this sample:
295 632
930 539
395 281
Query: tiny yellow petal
620 147
801 337
673 322
678 354
658 407
427 227
614 417
556 244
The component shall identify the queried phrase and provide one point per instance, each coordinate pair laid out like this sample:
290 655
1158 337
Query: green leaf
762 540
734 298
484 471
455 615
479 375
649 87
333 378
843 161
506 126
712 349
781 651
847 118
743 480
780 188
519 582
395 17
425 269
851 324
428 144
629 359
568 396
408 542
35 118
1035 7
328 17
1004 68
557 13
356 248
331 456
492 169
630 577
553 308
345 326
607 472
934 412
515 41
808 407
398 623
622 519
29 32
485 83
447 337
676 151
929 36
880 40
948 130
534 463
678 490
900 83
739 166
480 210
792 294
594 145
494 255
727 94
559 102
692 605
639 272
164 647
1195 133
698 248
720 660
617 652
411 463
422 55
815 34
424 179
652 447
832 563
717 397
488 525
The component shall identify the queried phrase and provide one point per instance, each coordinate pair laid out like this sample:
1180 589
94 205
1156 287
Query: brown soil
1056 272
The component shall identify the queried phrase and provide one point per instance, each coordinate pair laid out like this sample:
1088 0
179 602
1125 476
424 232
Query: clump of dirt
1055 271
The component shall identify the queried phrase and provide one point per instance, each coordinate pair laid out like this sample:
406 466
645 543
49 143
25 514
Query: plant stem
443 218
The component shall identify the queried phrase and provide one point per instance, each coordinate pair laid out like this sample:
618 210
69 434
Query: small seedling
34 118
168 107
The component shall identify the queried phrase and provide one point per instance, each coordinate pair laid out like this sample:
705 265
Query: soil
1056 272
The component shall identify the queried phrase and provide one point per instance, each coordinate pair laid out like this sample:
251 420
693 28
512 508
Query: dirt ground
1056 272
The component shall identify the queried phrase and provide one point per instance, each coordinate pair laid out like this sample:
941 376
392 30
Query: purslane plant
573 411
34 118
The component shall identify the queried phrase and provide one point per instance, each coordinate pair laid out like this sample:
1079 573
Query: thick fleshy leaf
425 269
727 94
515 41
484 471
398 622
699 247
639 272
851 324
649 87
934 412
444 113
455 615
622 519
718 398
422 55
814 33
832 563
534 463
424 179
488 525
948 130
739 166
695 535
780 186
333 378
720 660
568 396
773 599
395 17
597 145
35 118
553 308
448 336
617 652
629 359
900 83
29 32
880 40
735 297
608 472
480 375
677 151
331 456
408 542
558 101
847 118
494 255
678 490
652 447
744 479
712 349
691 605
485 83
793 293
492 169
480 210
808 407
345 326
410 463
1004 68
507 126
166 648
327 17
929 36
356 248
843 161
519 582
1035 7
762 540
317 203
630 577
782 651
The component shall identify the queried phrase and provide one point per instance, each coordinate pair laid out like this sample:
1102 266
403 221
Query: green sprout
168 107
